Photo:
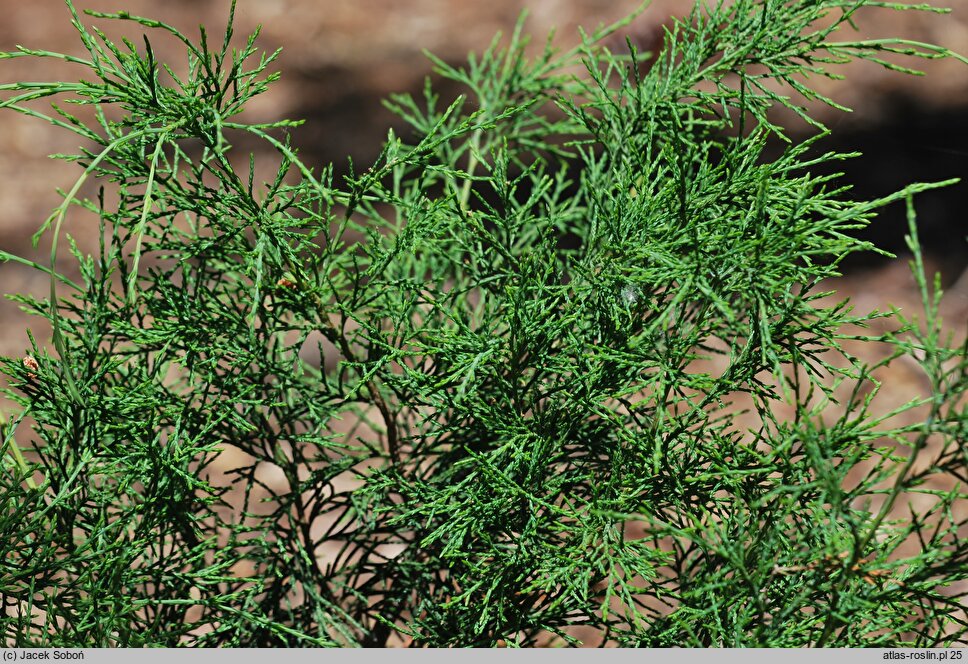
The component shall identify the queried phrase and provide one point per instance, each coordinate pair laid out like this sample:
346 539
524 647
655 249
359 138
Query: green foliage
525 373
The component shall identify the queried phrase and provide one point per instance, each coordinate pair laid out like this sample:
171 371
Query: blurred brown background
341 58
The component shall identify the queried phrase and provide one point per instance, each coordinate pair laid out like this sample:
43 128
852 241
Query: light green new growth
496 376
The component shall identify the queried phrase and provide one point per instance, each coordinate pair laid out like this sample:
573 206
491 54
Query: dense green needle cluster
553 367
